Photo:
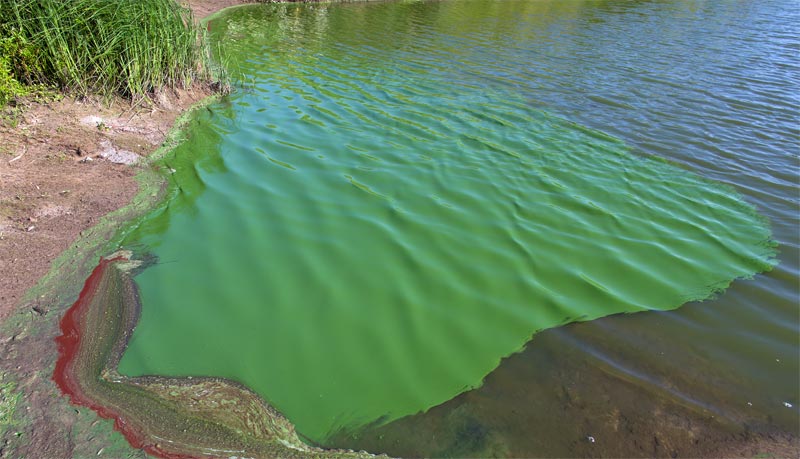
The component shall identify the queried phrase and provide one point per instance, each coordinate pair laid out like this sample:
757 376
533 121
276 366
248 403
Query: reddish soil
68 381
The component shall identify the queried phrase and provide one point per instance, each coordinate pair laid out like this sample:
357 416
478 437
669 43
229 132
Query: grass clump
14 50
10 88
109 47
9 398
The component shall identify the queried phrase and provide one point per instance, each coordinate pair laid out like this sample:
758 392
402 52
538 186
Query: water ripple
397 205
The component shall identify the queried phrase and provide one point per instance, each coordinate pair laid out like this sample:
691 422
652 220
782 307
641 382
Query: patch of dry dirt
58 174
61 169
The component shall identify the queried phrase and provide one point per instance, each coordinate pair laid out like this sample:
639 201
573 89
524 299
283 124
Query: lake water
398 197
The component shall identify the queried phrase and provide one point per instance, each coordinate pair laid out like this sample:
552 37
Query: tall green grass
124 47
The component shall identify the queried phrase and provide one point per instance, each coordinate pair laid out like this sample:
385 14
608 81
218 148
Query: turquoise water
394 198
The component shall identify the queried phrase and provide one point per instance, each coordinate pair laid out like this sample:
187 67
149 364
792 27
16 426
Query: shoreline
59 254
63 248
63 198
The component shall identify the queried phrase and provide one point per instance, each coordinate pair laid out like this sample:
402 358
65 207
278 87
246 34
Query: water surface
399 195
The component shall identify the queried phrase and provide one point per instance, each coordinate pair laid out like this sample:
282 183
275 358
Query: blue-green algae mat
377 216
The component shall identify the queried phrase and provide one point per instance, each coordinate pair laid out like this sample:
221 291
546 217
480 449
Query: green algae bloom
369 224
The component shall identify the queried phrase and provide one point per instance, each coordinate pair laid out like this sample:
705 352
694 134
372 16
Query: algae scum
372 221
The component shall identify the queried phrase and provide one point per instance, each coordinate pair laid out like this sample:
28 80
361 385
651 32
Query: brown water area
562 396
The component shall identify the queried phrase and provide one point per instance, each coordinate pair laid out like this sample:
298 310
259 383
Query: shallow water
398 195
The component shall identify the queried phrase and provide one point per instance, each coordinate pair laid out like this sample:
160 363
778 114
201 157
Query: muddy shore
64 167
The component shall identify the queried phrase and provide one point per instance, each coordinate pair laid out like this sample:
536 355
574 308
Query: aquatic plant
126 47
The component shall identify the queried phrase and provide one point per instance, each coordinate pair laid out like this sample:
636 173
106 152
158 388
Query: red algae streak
66 371
70 339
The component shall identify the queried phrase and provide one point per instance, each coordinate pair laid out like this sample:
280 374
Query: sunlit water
396 196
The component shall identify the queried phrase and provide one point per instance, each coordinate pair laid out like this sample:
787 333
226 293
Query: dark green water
398 195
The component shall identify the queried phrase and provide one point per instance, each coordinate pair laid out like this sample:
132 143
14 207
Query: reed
109 47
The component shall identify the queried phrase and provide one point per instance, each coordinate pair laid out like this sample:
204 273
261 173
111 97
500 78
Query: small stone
30 228
91 120
115 155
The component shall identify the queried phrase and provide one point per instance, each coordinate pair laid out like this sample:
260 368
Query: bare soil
53 182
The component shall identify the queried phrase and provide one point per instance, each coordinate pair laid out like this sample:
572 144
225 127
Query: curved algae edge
165 417
57 292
